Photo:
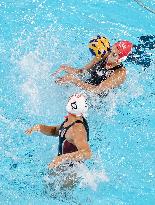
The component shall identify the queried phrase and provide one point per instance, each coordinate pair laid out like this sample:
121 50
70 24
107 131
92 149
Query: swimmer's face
113 56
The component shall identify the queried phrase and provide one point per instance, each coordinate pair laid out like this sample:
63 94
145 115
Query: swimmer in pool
73 133
106 73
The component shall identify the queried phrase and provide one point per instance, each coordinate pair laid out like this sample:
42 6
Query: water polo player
73 133
105 74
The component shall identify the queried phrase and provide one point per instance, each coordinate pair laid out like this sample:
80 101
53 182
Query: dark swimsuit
99 73
65 146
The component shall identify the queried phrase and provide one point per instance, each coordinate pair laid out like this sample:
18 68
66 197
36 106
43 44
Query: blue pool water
35 38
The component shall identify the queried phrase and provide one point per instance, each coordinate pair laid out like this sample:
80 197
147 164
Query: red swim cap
124 48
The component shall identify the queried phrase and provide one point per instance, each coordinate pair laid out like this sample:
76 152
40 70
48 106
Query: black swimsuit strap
63 124
71 124
116 67
84 122
77 121
66 128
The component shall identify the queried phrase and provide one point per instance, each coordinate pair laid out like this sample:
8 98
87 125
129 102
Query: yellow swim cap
99 46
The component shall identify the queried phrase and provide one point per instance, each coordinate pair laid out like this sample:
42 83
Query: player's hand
29 131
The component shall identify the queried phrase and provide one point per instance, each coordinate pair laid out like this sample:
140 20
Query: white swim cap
77 105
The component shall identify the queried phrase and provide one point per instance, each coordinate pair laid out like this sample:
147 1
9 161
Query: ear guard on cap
77 105
124 48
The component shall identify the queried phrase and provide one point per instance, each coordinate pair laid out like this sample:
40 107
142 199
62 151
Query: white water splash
91 178
34 66
30 89
36 72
